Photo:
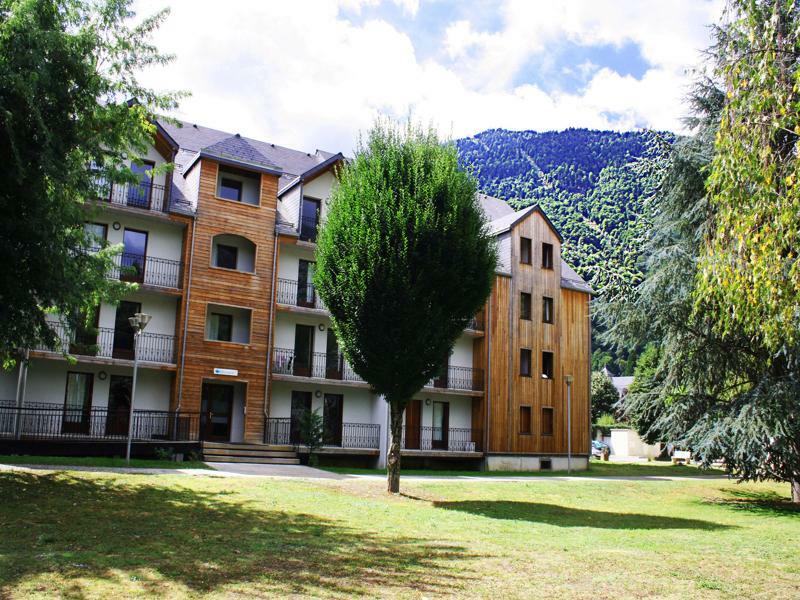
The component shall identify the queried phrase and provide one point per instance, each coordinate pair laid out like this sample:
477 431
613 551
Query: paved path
300 471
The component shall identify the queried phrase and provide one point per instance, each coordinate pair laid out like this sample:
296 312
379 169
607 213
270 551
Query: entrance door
305 284
303 350
134 255
139 194
301 404
310 220
332 419
119 405
123 332
77 403
441 425
216 409
334 361
413 423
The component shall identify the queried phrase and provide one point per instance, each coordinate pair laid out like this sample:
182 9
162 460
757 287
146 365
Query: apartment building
240 345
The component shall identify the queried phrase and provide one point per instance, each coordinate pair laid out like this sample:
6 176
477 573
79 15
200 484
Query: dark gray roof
194 138
312 172
237 148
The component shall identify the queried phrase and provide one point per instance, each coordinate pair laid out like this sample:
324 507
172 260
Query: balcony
145 196
107 343
294 293
362 436
96 424
319 365
452 439
309 226
147 270
475 323
459 378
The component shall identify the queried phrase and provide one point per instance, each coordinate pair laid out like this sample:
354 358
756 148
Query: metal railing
319 365
296 293
453 439
145 195
283 432
104 342
58 422
146 269
459 378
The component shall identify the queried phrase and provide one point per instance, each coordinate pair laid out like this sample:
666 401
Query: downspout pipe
268 375
488 394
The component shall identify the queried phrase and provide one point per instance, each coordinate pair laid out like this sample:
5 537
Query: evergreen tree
403 262
604 395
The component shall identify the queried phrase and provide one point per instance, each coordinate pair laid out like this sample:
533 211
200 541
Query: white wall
289 205
289 260
357 404
163 309
283 334
320 188
47 380
164 240
460 408
462 352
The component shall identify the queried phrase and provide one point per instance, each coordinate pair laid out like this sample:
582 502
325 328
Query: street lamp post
569 379
138 322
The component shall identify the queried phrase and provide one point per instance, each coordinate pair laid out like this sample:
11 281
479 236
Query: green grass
596 469
99 535
98 461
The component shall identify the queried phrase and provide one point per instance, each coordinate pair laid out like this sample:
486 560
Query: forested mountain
584 181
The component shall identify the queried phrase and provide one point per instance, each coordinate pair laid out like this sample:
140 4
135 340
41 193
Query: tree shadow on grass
104 529
563 516
767 503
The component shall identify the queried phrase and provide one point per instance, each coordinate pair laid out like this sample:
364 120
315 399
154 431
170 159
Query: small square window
547 310
525 306
547 420
547 365
525 420
525 250
525 362
227 256
547 256
230 189
221 327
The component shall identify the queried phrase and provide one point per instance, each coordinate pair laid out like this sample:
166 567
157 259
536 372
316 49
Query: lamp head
139 321
569 379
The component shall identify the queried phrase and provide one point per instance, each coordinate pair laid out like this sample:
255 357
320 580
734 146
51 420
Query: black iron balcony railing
104 342
308 228
147 270
459 378
319 365
58 422
349 435
145 195
452 439
296 293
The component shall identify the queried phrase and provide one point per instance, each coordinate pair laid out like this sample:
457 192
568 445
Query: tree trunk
796 491
393 456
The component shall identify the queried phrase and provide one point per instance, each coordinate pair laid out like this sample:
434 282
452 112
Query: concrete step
243 446
257 453
253 460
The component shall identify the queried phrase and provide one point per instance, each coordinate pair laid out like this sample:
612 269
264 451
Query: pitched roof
571 280
312 172
494 208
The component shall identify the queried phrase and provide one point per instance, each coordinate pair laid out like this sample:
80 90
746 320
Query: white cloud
298 73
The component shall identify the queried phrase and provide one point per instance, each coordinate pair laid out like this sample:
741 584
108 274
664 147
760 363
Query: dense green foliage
585 182
750 264
67 69
604 395
403 262
718 387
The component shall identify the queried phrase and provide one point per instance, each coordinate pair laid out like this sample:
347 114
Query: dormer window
230 189
238 186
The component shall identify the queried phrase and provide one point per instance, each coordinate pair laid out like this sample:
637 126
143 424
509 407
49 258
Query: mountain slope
584 182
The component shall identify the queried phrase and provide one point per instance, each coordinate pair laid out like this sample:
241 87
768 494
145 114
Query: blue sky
313 73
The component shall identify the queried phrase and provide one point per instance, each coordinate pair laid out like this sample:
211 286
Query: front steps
262 454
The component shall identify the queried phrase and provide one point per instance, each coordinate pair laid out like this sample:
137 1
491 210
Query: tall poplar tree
403 262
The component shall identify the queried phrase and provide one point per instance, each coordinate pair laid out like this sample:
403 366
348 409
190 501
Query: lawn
596 469
97 535
98 461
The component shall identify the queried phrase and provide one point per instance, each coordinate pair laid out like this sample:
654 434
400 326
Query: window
547 420
525 362
547 365
547 309
226 256
525 250
547 256
230 189
77 403
221 327
97 234
525 306
525 420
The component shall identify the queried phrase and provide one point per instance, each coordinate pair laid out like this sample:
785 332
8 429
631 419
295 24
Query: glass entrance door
301 404
332 412
441 425
217 406
134 254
